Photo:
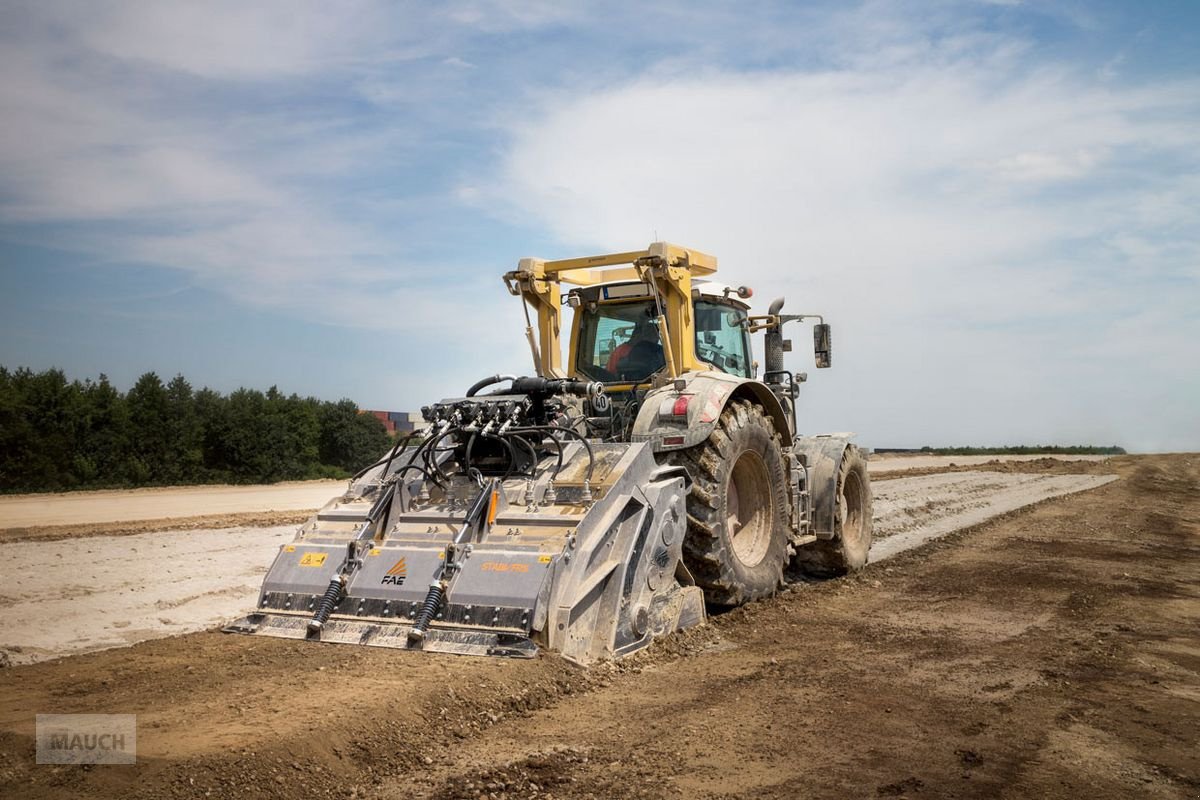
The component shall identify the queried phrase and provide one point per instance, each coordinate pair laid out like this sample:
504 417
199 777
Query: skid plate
461 641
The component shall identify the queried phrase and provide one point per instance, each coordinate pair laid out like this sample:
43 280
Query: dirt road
115 512
149 585
1048 654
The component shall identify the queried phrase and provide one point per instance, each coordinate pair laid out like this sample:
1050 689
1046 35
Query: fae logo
396 575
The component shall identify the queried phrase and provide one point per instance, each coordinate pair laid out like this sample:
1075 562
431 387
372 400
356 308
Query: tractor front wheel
736 545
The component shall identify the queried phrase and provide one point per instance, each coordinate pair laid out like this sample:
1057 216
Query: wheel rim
850 507
748 509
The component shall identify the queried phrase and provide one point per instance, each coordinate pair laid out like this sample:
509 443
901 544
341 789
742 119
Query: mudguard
823 456
707 395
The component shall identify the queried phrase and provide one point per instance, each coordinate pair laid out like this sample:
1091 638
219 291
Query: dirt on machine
597 504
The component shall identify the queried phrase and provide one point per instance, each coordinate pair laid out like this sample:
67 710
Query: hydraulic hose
488 382
533 457
435 470
583 439
557 444
391 454
512 454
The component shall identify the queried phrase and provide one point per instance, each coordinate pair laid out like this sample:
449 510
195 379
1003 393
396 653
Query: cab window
619 342
722 338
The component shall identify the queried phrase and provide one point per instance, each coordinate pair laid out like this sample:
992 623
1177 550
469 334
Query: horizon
881 449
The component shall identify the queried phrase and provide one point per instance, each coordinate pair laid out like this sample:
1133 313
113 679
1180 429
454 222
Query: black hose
475 387
397 450
533 456
583 439
559 465
512 454
471 444
391 454
435 470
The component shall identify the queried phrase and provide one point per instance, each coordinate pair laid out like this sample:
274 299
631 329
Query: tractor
594 505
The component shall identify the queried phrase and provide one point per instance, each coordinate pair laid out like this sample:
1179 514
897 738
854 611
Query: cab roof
622 267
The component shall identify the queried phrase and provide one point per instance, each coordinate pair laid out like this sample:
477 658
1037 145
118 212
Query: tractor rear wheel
736 544
852 524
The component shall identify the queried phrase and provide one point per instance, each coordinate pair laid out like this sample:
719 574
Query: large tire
847 551
736 544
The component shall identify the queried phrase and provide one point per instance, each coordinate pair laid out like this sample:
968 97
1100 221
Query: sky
996 205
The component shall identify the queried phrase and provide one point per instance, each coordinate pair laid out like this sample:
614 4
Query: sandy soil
888 462
910 511
122 505
109 591
144 586
47 517
1047 654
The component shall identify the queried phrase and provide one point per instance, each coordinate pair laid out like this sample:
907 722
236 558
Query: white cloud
1042 166
971 226
229 40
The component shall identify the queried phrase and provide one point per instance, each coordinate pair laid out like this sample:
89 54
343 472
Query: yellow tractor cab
616 340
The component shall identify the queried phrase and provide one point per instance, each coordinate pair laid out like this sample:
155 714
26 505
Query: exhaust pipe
773 345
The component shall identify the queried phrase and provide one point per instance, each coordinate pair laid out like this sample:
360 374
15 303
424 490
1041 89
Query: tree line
57 434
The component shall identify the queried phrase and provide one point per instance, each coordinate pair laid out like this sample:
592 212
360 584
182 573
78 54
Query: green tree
184 459
212 411
349 439
40 446
102 449
149 414
56 434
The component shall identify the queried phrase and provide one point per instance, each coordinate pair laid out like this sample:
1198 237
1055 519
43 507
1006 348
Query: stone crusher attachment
500 532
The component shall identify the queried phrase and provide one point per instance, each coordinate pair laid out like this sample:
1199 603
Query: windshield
619 342
721 337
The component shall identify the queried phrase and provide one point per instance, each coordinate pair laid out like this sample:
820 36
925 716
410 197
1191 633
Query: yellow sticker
291 548
312 559
545 559
374 551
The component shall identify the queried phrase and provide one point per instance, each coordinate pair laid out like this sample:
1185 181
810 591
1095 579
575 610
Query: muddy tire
852 524
736 544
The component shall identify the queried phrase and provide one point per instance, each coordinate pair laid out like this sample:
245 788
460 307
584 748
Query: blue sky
997 204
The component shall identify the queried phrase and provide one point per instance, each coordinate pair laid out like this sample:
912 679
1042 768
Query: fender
823 456
707 393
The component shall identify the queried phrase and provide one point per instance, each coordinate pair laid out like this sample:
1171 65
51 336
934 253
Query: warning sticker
374 551
291 548
312 559
545 559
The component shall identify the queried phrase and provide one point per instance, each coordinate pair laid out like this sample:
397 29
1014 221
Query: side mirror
822 346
